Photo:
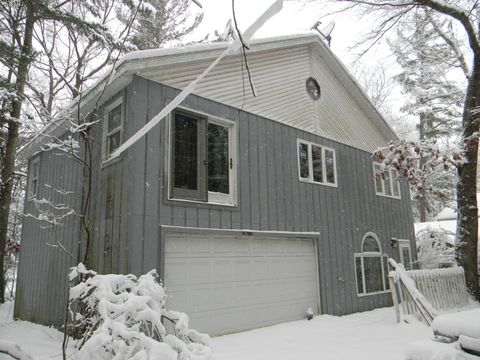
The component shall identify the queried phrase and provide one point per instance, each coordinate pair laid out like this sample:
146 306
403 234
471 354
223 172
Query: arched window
371 266
370 243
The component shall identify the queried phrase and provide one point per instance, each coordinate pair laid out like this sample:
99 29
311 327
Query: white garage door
228 283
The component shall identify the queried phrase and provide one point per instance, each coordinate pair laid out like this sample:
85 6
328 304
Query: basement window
202 158
316 163
386 184
33 178
371 267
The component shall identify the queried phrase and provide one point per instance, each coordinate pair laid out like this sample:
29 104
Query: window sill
204 203
319 183
374 293
111 161
390 196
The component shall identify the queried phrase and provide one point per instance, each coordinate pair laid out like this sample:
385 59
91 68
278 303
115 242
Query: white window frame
370 254
392 178
402 244
33 194
106 133
310 164
213 198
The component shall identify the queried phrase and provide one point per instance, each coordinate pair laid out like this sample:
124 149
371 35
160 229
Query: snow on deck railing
444 288
406 294
425 292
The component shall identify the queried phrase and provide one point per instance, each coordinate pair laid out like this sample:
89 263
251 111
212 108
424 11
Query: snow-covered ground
370 335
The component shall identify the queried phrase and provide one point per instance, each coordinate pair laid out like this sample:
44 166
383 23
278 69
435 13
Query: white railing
425 292
444 288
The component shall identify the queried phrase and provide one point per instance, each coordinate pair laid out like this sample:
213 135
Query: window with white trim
202 158
113 128
371 267
33 178
316 163
386 183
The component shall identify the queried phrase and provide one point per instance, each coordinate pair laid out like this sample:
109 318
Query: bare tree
19 20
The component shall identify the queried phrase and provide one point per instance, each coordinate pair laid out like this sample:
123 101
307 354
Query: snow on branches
435 249
423 163
125 317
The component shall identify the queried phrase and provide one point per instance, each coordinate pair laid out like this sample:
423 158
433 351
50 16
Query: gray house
252 209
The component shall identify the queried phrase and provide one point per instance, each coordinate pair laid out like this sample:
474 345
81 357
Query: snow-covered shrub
123 317
434 248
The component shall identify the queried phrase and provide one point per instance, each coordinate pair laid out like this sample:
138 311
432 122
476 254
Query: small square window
202 158
386 183
316 163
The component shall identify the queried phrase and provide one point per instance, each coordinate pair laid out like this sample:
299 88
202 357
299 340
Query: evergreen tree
171 21
434 98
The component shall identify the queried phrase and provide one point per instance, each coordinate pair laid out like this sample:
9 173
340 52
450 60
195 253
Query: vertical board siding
269 197
43 266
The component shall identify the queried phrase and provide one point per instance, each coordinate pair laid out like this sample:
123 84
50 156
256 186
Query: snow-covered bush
124 317
434 248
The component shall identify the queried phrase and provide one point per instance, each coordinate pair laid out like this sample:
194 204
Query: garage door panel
222 270
177 244
223 297
178 296
230 283
261 268
220 246
242 294
242 270
178 272
260 246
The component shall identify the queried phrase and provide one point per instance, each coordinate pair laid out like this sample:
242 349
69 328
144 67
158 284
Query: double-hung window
202 158
386 183
316 163
371 267
33 179
113 128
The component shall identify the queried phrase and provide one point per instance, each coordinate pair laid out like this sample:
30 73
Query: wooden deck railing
444 288
425 292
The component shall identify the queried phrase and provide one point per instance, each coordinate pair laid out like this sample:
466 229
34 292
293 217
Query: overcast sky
295 17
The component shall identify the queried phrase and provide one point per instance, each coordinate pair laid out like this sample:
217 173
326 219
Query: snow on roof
451 214
447 214
186 49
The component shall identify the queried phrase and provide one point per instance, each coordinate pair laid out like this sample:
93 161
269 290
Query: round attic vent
313 88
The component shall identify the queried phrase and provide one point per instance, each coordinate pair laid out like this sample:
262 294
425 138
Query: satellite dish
229 32
325 32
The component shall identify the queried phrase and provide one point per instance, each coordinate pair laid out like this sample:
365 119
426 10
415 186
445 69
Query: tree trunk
6 180
467 221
